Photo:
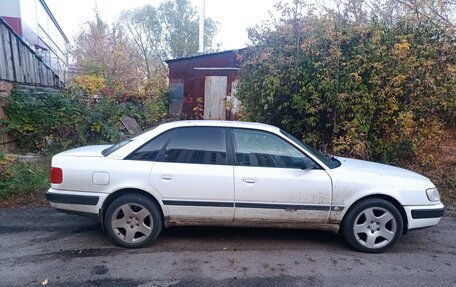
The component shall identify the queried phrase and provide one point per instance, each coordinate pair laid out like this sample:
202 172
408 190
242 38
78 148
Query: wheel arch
388 198
124 191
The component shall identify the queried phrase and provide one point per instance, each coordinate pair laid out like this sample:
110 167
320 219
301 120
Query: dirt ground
39 244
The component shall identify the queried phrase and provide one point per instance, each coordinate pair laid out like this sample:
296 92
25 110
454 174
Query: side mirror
307 165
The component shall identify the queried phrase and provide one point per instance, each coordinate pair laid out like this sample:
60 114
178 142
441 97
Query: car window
201 145
151 149
115 147
123 143
263 149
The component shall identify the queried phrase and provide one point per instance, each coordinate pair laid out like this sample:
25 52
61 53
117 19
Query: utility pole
201 27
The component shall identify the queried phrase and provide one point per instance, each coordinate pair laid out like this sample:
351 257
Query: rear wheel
372 225
133 221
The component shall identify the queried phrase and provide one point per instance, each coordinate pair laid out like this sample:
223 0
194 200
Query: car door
272 184
193 176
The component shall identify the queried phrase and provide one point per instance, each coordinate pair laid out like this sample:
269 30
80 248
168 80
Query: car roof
215 123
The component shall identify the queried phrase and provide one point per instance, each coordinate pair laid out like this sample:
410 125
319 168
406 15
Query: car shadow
242 238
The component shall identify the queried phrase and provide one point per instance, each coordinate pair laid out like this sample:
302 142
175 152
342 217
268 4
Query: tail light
56 175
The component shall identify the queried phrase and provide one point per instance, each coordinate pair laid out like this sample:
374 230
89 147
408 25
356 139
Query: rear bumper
87 203
424 216
72 198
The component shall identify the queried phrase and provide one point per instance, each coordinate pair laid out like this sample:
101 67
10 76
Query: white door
271 184
193 177
215 97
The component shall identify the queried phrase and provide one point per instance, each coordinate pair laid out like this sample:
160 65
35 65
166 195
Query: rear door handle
166 176
250 180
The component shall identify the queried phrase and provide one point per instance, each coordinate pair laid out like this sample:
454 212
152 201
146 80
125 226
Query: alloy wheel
132 223
375 227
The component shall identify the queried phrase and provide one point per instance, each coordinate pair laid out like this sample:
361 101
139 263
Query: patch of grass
23 183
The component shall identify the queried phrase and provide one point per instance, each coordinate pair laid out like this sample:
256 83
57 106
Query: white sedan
238 174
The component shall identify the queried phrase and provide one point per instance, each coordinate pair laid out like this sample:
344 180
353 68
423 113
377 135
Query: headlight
433 194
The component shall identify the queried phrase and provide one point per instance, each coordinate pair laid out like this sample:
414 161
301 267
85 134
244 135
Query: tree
394 11
106 52
166 32
145 31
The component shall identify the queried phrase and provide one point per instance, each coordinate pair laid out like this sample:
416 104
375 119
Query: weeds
23 183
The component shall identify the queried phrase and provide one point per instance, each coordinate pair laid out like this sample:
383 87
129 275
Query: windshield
318 154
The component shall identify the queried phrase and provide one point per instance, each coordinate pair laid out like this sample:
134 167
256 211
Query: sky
233 16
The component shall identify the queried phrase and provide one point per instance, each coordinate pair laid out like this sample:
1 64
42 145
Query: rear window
150 150
115 147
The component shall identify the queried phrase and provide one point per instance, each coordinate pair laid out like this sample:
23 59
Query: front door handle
250 180
166 176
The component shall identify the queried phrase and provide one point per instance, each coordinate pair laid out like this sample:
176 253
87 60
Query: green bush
23 180
38 121
370 91
101 122
155 111
51 121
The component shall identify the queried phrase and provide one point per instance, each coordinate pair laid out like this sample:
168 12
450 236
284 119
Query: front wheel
372 225
133 221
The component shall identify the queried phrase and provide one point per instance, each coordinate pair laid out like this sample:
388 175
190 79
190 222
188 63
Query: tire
372 225
133 221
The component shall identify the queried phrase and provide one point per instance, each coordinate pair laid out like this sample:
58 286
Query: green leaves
49 122
18 178
370 91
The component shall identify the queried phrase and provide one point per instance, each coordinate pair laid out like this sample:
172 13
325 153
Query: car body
238 174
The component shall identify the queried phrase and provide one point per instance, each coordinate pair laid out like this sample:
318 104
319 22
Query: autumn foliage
368 90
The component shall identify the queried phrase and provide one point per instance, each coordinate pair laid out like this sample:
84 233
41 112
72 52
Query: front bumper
424 216
426 213
86 203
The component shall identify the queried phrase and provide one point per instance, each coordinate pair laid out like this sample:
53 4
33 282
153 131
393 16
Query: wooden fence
7 142
20 64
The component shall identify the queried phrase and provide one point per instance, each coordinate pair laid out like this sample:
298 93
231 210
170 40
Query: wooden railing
20 64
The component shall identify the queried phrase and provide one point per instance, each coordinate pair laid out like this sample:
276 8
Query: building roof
204 55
